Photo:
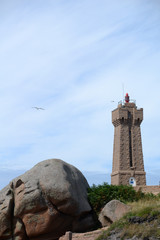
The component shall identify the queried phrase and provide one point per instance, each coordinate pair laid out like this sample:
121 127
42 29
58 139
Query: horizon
92 177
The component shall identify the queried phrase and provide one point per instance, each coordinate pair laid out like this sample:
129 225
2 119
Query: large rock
45 202
112 212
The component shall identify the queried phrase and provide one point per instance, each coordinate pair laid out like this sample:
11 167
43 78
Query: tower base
134 178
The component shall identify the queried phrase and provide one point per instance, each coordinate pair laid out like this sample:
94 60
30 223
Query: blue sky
72 58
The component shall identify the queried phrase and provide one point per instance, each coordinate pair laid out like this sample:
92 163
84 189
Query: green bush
100 195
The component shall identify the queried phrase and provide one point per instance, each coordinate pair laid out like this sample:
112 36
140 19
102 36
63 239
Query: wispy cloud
71 58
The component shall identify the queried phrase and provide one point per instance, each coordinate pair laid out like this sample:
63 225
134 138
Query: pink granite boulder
45 202
112 211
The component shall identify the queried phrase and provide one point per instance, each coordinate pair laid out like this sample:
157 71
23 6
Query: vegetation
142 221
101 194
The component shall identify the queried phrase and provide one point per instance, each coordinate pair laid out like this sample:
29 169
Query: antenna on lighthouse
123 93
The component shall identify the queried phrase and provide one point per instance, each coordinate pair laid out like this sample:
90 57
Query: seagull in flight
38 108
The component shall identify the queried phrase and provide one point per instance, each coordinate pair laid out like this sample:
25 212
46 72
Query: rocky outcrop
117 235
92 235
112 211
6 213
45 202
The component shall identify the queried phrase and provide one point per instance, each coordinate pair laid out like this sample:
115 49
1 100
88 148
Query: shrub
100 195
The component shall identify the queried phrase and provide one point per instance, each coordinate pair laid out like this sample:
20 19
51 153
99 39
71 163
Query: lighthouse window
129 115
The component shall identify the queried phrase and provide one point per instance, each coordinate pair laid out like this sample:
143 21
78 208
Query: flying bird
38 108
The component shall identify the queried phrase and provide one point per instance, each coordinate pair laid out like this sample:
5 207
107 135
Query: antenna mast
123 92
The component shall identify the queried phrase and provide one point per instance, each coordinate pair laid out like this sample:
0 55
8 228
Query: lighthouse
128 164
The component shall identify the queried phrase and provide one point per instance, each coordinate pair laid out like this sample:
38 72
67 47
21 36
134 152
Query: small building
128 165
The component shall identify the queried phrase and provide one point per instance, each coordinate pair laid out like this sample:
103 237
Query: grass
143 209
99 195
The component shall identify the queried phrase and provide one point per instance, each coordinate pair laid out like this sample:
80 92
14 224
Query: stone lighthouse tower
128 166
